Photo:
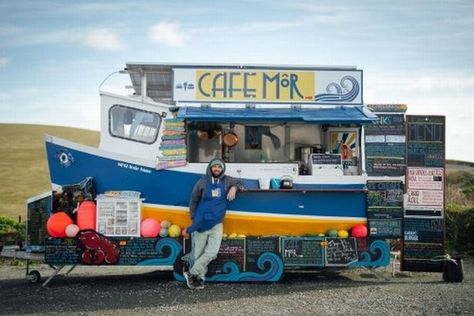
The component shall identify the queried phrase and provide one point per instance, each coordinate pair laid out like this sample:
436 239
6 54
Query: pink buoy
72 230
86 215
150 227
57 224
359 231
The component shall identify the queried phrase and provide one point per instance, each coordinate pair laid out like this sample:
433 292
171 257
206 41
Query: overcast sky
54 54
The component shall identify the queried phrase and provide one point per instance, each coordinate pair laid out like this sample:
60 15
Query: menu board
135 250
385 145
38 210
231 250
303 251
62 251
325 159
426 139
385 208
423 227
257 246
341 251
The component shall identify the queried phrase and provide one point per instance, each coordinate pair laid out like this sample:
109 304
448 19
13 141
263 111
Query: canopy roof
320 115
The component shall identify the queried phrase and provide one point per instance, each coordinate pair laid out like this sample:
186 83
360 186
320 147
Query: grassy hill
24 170
23 166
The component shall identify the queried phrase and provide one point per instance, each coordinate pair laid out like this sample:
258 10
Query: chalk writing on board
60 251
386 212
135 250
256 247
231 250
302 251
341 251
385 166
388 228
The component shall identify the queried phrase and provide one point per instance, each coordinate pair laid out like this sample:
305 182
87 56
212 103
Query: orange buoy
57 224
87 215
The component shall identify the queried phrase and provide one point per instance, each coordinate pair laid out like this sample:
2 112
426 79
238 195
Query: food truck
293 135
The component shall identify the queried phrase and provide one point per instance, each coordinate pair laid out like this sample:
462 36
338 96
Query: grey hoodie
200 186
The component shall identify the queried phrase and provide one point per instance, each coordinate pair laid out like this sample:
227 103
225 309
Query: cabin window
134 124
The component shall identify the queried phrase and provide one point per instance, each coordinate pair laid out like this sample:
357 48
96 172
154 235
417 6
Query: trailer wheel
34 276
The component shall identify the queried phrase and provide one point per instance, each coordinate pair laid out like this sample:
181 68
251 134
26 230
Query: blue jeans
204 248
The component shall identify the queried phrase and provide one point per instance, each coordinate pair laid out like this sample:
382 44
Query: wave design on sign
378 255
270 263
339 92
175 248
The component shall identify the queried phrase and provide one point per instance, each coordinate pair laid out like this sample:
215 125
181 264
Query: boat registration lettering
133 167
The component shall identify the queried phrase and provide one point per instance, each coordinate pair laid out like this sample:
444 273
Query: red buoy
359 231
86 215
57 224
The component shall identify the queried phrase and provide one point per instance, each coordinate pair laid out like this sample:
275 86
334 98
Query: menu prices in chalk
423 244
385 145
303 251
385 208
425 141
423 225
232 251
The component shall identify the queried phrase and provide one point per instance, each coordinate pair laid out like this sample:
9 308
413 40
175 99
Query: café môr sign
268 86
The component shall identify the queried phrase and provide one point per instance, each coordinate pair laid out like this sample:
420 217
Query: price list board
423 223
385 143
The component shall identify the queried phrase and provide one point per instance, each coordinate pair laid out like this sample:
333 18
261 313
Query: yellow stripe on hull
252 225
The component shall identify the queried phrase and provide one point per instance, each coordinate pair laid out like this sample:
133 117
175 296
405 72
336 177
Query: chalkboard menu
135 250
423 241
231 250
62 251
426 139
423 226
385 208
302 251
385 145
257 246
341 251
38 211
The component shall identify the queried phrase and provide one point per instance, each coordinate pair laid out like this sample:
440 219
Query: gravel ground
130 291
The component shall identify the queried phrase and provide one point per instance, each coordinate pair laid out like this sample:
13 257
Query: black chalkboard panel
385 149
385 166
256 246
422 257
38 211
427 230
388 124
386 228
385 193
423 241
425 141
62 251
134 250
302 251
384 212
231 250
326 159
341 251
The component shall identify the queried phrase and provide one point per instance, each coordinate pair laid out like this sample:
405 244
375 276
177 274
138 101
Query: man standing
207 208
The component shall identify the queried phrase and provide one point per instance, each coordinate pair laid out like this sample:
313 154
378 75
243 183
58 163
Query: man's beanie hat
217 162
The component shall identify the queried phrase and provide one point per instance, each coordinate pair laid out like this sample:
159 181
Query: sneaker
190 280
199 283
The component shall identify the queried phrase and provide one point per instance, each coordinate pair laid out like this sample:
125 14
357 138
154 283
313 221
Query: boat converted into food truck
293 135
